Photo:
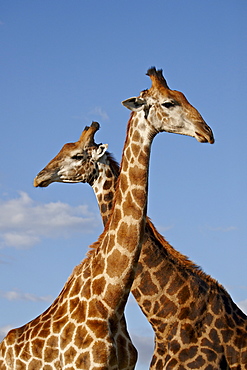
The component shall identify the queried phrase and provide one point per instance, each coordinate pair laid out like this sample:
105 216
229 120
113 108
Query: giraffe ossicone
85 327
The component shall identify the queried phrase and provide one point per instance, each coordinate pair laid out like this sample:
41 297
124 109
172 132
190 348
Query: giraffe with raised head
195 321
84 328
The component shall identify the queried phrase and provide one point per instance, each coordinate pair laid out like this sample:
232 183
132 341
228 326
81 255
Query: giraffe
84 328
185 307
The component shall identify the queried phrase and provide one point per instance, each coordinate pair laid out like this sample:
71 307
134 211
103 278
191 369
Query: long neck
121 241
129 209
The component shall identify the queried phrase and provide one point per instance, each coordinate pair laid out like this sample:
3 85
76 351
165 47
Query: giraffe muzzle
204 134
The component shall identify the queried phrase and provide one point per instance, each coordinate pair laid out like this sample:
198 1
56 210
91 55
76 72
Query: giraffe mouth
39 183
43 183
205 137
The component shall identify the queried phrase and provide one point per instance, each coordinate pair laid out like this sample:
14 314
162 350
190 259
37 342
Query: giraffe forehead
65 152
69 147
161 94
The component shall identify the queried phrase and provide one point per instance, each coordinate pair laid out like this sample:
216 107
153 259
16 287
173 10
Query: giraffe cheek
159 116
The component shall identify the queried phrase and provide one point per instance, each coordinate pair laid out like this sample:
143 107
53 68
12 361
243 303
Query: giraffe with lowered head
84 328
195 321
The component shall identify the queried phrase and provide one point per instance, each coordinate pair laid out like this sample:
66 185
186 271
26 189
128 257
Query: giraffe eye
78 157
169 104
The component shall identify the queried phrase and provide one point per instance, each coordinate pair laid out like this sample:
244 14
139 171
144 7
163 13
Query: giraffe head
76 162
169 110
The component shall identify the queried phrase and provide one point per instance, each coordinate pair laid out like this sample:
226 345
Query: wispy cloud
98 111
223 229
14 295
226 229
23 221
93 114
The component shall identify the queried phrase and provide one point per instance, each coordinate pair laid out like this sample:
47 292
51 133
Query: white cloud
19 240
23 221
225 229
98 111
14 295
243 306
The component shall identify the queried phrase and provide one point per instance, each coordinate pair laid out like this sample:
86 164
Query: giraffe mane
94 247
113 164
179 258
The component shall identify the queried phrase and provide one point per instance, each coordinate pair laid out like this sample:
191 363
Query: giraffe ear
99 152
134 104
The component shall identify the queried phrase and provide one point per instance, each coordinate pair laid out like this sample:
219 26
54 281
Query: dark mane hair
178 258
113 164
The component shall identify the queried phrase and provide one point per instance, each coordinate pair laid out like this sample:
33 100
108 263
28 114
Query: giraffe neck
104 185
121 240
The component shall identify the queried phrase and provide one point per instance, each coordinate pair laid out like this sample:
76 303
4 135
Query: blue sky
66 63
